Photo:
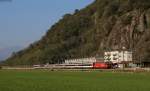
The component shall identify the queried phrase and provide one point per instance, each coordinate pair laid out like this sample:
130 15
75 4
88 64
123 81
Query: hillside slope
103 25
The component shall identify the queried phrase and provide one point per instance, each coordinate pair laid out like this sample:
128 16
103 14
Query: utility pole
82 64
123 57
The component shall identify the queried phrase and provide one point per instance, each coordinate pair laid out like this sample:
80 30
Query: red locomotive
101 65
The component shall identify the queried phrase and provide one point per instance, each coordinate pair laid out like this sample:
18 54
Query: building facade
118 56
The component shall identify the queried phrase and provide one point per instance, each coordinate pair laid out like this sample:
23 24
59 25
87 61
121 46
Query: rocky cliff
103 25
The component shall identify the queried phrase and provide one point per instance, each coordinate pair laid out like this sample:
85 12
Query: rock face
103 25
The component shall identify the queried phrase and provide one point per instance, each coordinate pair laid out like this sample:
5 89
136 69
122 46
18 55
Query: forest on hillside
101 26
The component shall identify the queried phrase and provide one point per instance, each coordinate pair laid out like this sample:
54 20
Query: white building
118 56
81 61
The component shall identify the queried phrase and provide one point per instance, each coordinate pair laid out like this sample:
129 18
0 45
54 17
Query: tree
76 10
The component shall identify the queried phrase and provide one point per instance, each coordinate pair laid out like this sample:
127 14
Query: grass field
44 80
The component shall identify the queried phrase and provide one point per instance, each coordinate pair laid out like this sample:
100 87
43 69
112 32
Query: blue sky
25 21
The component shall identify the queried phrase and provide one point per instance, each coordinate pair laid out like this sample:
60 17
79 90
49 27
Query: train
99 65
95 65
80 65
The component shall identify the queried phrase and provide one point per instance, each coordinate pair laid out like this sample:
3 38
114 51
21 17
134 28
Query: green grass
44 80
